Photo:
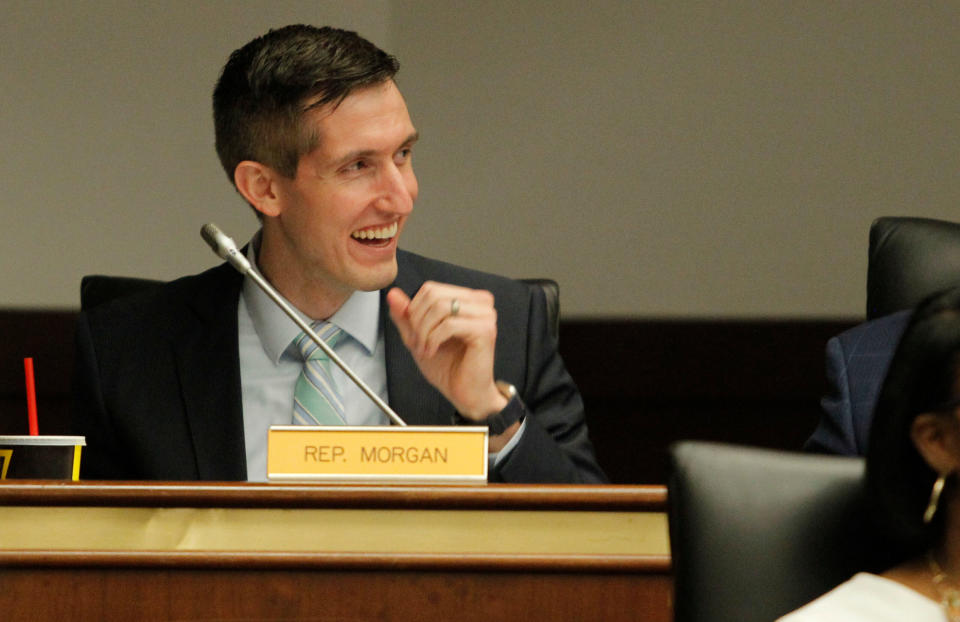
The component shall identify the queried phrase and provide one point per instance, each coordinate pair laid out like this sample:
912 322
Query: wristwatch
513 412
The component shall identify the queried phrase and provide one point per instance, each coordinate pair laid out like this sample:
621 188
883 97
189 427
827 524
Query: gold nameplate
415 454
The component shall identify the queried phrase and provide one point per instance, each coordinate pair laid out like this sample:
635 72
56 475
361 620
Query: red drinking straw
31 396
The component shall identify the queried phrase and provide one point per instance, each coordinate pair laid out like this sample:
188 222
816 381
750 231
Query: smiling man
182 382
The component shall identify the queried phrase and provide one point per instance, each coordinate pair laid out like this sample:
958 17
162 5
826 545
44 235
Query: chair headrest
757 533
910 258
551 290
96 289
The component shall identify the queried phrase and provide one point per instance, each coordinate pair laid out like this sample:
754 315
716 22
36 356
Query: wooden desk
238 551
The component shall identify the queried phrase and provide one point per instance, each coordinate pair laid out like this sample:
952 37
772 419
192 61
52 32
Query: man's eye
358 165
404 154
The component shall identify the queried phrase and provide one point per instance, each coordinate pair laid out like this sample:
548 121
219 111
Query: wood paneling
150 594
47 336
364 583
649 383
646 382
300 496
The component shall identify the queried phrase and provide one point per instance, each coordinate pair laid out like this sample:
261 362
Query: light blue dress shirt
270 365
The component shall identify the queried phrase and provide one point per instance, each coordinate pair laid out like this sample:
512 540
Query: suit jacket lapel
411 396
208 362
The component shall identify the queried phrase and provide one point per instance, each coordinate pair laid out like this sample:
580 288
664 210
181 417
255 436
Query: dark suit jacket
857 363
157 382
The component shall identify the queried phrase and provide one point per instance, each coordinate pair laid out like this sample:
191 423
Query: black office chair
910 258
757 533
552 292
96 289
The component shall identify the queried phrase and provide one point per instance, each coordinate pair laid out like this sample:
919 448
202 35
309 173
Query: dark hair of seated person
924 377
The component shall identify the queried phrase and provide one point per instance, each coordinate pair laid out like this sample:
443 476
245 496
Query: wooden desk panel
145 595
356 580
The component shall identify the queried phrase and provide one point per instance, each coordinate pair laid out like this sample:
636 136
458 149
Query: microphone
224 246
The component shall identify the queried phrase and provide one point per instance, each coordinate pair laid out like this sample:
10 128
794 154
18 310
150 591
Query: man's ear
257 183
937 439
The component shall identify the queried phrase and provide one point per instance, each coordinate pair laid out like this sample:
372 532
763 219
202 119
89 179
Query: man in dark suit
857 363
181 382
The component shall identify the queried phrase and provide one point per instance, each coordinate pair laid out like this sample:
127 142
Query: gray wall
692 159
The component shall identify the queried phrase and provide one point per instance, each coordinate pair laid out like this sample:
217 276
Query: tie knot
326 331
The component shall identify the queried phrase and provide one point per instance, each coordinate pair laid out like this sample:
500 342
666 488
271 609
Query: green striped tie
316 400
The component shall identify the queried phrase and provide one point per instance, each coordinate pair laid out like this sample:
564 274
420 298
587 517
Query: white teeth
383 233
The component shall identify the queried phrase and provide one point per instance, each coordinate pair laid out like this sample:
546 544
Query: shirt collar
359 316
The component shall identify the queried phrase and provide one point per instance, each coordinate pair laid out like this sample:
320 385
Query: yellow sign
424 454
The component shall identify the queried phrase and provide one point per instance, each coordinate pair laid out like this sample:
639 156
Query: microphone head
224 246
218 240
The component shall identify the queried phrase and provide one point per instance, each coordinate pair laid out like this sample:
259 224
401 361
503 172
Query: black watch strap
498 423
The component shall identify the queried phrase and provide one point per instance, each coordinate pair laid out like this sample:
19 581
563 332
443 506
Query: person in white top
912 462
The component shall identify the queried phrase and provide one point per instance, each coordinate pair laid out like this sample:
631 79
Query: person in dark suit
182 382
856 361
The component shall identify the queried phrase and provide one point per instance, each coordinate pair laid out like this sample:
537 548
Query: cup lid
42 440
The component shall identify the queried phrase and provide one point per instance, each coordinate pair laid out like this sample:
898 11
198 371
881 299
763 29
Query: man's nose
398 189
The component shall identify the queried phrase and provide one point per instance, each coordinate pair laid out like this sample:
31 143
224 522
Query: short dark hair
269 83
923 378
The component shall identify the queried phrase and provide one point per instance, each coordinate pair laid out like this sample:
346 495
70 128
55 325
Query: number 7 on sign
6 455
